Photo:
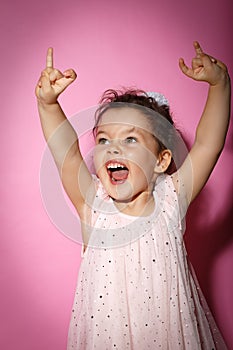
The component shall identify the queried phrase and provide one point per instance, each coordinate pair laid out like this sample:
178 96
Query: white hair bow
159 98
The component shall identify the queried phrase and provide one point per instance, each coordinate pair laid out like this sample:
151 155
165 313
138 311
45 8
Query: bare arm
213 125
59 133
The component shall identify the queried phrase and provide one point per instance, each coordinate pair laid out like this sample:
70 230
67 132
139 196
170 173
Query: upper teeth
115 165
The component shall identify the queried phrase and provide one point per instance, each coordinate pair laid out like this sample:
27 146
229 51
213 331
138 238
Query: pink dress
135 288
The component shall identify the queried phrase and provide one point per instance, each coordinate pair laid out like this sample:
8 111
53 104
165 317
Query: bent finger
55 75
218 62
70 73
45 80
197 62
213 60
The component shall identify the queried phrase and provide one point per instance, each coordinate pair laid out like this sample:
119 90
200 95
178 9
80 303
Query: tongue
120 174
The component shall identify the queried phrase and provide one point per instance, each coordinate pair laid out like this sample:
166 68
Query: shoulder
165 185
172 205
165 191
100 191
94 198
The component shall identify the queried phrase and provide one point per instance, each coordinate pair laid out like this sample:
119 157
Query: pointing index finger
49 58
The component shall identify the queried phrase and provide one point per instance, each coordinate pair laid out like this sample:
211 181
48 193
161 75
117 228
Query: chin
120 192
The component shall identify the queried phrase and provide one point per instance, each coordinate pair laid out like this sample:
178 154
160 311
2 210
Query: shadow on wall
204 243
205 240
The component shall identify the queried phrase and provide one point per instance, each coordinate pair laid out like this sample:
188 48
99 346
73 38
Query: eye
130 139
103 141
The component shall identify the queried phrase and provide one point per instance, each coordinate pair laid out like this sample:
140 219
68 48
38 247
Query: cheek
143 159
98 159
144 174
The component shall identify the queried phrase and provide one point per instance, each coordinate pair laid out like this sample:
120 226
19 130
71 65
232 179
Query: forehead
125 117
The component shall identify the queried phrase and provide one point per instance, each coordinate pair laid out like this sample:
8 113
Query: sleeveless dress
136 289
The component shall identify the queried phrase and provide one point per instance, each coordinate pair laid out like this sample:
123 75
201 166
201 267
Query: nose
114 148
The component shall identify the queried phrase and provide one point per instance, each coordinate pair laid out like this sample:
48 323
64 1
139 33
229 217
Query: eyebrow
133 129
100 132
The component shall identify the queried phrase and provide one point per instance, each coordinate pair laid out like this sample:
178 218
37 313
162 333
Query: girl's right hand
52 82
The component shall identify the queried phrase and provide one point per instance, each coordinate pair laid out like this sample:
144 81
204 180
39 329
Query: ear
163 161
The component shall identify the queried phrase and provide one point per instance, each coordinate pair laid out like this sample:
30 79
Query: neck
142 205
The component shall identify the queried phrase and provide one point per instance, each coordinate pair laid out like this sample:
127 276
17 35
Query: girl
136 289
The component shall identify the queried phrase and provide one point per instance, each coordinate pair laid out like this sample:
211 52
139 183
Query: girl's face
125 154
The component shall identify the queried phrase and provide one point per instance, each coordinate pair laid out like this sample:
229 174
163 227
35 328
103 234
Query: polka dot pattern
139 294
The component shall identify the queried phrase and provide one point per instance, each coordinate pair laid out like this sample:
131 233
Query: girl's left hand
204 67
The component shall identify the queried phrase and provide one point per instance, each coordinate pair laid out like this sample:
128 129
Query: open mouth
117 171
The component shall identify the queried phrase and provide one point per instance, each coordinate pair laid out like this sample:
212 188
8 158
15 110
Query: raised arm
59 133
213 125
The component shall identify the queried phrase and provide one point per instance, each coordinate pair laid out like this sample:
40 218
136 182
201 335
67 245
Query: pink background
109 44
